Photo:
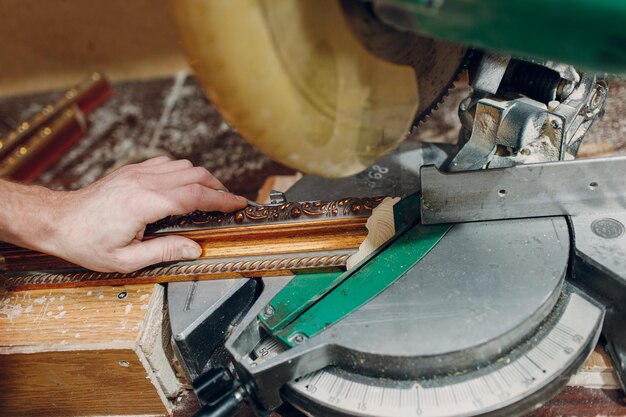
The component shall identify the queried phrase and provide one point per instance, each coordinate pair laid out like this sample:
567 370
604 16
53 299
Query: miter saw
506 265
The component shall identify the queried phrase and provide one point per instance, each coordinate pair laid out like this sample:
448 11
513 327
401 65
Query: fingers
162 173
158 164
186 199
138 255
196 197
168 166
125 201
154 161
160 187
194 175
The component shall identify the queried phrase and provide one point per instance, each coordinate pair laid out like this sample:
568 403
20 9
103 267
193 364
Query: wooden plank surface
72 319
85 351
78 383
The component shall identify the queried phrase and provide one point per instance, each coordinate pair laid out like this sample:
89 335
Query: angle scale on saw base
490 315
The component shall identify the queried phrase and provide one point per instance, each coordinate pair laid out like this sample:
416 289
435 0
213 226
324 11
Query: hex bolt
596 101
598 97
269 311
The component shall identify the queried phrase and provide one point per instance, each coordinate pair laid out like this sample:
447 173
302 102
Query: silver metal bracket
585 186
525 112
277 197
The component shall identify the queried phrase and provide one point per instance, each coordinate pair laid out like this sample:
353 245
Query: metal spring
535 81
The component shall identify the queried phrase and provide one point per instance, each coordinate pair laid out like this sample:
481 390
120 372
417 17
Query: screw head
122 295
299 338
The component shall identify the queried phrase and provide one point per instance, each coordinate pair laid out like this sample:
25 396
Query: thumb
162 249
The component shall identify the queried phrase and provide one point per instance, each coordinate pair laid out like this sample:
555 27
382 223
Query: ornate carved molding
271 213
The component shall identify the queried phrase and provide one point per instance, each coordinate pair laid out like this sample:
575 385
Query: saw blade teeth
465 63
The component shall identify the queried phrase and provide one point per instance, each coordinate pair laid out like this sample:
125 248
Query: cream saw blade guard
298 83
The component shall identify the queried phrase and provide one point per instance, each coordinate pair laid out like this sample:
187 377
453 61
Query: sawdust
10 311
169 114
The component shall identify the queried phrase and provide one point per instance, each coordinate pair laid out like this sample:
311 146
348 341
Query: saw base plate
485 323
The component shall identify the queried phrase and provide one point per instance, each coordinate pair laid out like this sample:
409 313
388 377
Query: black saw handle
227 407
219 392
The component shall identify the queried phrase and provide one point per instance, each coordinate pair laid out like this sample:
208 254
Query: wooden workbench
138 118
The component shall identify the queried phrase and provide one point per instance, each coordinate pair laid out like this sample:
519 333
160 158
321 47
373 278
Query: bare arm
101 227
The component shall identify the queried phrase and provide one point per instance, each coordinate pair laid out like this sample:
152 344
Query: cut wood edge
55 347
381 227
152 353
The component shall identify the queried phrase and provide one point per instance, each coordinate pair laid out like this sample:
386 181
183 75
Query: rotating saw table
492 320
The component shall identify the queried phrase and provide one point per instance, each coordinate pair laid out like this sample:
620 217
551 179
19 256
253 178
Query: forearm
27 215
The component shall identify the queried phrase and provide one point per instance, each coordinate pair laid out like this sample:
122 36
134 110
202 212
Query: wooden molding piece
279 239
40 141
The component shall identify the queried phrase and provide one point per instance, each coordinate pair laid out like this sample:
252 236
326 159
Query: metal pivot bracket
525 112
586 186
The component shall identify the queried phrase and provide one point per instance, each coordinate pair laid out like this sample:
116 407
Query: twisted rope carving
179 270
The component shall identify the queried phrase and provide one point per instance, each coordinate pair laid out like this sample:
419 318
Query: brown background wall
49 44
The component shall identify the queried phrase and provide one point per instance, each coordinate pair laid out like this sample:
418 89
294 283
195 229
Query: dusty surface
43 320
147 118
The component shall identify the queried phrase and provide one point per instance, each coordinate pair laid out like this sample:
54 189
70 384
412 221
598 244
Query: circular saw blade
320 86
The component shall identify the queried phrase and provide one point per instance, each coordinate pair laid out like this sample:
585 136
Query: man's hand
101 227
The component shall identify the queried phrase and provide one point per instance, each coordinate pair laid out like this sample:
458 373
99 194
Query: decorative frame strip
278 239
